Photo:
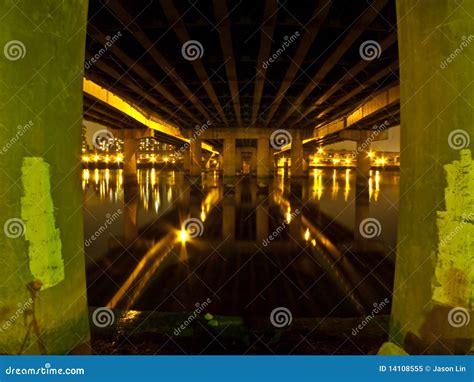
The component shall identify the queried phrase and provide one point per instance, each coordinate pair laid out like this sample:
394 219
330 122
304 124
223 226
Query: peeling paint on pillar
44 250
453 284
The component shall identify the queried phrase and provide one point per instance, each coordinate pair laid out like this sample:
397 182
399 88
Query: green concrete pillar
43 306
433 292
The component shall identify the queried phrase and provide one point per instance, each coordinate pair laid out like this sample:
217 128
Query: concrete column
433 292
130 148
43 307
263 158
196 158
296 154
362 196
228 154
187 160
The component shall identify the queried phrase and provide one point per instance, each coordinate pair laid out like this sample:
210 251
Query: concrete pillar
130 148
187 160
296 154
43 308
263 158
196 158
362 195
433 291
130 213
228 154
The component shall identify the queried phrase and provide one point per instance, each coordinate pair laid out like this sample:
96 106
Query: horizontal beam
152 122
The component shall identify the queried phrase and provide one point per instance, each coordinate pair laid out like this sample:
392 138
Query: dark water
313 265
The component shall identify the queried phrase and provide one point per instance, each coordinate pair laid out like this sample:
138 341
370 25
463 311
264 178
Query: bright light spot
203 216
313 242
370 154
183 235
96 158
320 150
85 158
306 234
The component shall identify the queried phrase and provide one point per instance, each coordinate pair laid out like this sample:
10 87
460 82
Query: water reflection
262 245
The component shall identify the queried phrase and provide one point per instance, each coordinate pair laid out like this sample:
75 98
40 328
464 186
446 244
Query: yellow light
348 161
119 158
320 150
313 242
382 161
306 234
85 158
166 159
203 216
106 159
96 158
153 159
370 154
336 160
183 235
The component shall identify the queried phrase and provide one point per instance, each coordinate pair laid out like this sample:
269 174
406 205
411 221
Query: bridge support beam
43 290
433 292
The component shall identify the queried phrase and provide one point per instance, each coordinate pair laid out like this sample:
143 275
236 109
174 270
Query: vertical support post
130 148
296 154
43 287
263 158
362 197
229 157
196 157
433 291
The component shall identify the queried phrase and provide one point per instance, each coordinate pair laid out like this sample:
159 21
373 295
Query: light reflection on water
313 253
